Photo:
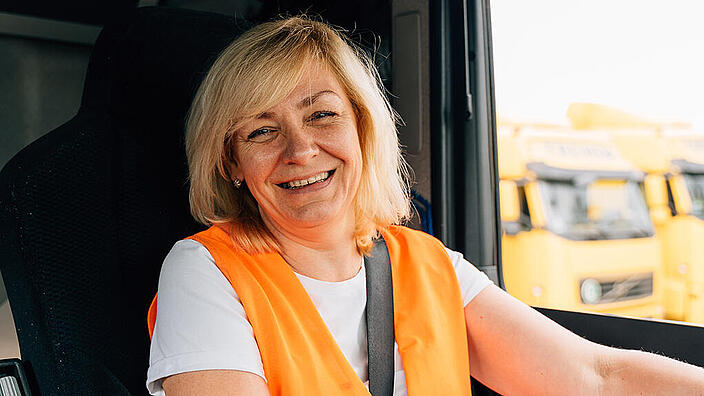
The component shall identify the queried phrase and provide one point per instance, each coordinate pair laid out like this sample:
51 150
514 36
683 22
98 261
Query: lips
300 183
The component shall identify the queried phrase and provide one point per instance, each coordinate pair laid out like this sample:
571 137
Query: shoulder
214 240
189 271
419 243
470 278
187 248
407 232
201 323
418 255
412 239
186 260
189 276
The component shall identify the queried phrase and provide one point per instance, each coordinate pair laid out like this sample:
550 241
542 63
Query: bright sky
643 56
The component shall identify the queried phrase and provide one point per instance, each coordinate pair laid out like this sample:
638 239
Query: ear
229 161
234 170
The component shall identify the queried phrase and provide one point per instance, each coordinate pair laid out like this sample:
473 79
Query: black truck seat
88 211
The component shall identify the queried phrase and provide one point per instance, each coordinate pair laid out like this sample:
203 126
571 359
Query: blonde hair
254 73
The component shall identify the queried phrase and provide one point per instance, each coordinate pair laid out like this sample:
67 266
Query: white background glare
645 57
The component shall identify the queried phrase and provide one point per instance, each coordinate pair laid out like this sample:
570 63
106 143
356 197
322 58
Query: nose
300 146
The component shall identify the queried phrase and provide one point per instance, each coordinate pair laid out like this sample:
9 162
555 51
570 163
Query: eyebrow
303 103
311 99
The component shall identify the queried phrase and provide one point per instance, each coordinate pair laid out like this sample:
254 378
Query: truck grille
637 286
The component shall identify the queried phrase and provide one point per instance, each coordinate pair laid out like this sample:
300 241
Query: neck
326 252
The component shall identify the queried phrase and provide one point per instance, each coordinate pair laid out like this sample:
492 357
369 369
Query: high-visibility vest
299 354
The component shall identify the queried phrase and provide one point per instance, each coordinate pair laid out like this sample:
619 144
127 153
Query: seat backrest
88 211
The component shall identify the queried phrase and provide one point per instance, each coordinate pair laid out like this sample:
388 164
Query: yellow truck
672 157
674 164
577 234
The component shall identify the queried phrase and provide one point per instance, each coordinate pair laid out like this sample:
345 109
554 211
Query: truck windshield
695 187
602 209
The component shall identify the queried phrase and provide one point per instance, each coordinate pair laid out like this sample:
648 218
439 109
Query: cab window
601 99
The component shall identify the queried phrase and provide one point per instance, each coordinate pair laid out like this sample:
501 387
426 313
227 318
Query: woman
294 162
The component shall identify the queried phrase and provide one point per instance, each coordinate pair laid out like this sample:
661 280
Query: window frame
464 163
463 123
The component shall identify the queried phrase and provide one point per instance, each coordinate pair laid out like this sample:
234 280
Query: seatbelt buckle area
13 380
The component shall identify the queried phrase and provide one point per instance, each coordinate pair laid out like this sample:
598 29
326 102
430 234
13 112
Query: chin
313 217
311 222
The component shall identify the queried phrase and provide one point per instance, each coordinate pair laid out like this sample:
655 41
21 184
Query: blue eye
259 133
321 114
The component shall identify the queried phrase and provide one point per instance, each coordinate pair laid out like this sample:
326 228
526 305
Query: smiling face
301 159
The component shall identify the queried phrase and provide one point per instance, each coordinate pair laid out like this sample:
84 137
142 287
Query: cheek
343 143
257 163
256 171
347 149
355 152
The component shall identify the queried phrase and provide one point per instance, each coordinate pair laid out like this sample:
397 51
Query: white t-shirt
202 324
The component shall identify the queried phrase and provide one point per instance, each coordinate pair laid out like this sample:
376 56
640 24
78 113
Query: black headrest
89 211
148 69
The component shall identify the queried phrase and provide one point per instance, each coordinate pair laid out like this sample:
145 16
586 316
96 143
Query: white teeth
305 182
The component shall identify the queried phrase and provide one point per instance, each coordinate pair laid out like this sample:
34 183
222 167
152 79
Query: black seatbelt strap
380 320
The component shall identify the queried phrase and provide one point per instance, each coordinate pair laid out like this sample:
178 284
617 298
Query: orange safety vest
299 354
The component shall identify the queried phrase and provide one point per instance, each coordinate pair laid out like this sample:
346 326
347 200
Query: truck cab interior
89 210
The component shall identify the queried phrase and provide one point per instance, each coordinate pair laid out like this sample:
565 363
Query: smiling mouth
296 184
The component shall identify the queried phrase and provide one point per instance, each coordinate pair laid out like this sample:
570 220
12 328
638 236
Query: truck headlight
590 291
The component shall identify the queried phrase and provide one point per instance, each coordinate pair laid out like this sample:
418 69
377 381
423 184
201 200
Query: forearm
627 372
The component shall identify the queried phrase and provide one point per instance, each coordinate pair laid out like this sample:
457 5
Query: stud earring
237 182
